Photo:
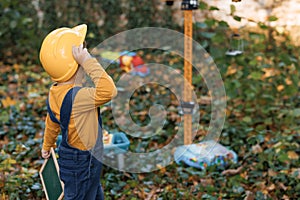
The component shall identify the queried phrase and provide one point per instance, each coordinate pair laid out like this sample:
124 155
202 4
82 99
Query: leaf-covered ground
262 127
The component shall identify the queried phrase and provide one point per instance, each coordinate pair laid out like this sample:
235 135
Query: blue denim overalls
79 170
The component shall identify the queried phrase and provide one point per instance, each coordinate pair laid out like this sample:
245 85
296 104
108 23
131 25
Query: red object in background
134 64
139 64
136 61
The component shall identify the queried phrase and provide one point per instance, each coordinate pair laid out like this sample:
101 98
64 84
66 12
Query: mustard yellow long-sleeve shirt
83 126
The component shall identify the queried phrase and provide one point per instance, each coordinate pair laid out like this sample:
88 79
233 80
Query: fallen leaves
293 155
257 149
269 72
231 70
280 88
249 196
269 158
6 102
231 172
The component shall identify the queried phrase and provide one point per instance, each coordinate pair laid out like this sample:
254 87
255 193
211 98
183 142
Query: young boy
73 111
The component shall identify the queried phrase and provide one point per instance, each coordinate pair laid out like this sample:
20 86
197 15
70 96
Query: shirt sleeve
52 130
90 97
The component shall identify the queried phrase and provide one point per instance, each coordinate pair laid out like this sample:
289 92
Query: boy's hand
45 154
80 54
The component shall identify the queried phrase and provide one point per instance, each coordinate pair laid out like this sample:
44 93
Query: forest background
262 88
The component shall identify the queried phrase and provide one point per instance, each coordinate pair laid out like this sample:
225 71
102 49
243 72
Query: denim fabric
79 170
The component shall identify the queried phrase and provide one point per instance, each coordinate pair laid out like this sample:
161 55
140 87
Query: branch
233 171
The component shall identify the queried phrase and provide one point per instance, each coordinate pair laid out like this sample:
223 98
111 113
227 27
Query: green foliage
26 23
262 123
18 31
21 128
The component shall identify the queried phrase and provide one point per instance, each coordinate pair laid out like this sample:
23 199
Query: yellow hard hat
56 52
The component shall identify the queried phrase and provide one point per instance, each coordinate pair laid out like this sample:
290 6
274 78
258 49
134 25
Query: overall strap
99 117
51 114
65 115
66 107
